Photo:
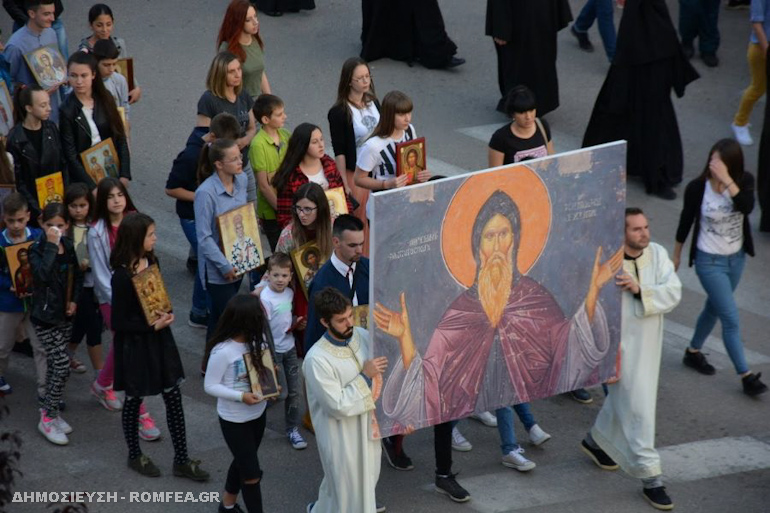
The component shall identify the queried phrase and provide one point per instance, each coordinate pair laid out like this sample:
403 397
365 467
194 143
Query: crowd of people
84 249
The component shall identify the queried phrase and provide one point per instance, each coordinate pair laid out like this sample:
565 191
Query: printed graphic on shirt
721 219
240 376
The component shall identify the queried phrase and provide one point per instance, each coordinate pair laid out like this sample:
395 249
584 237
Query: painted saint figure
51 196
503 341
311 260
245 254
110 166
95 170
23 276
412 167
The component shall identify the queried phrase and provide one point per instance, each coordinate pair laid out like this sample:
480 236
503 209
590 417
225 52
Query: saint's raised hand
395 324
603 273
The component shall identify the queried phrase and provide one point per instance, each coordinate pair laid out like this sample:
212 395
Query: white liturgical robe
342 407
625 426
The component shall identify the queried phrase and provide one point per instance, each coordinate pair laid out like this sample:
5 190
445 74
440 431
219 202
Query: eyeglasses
365 78
304 210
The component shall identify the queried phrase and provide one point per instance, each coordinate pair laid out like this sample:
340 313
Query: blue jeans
525 415
199 295
288 378
719 275
601 11
508 441
699 18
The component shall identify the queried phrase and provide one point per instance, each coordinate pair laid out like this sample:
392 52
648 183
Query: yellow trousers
757 87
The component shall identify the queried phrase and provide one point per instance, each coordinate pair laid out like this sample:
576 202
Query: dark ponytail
23 99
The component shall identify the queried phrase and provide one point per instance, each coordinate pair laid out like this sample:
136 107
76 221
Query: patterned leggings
54 341
174 416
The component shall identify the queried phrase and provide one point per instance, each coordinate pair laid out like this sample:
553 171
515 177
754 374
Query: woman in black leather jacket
89 116
34 143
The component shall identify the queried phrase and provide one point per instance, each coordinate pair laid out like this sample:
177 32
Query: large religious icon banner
504 291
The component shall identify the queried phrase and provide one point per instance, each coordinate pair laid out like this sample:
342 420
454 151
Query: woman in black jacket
718 204
34 143
89 116
57 280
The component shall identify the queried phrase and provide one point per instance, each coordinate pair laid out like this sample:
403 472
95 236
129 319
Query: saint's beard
494 283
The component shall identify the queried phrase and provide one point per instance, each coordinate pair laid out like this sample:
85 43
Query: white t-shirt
278 307
721 226
320 179
95 137
227 380
364 121
378 157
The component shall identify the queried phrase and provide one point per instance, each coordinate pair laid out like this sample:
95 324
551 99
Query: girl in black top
34 143
89 116
717 204
146 358
527 137
57 281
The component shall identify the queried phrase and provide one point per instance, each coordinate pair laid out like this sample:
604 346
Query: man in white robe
342 385
624 432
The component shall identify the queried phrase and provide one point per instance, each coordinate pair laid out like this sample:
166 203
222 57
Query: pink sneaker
106 397
147 428
49 428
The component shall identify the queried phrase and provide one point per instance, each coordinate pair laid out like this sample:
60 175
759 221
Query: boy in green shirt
266 153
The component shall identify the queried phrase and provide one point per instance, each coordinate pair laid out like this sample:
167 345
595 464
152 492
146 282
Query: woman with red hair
239 35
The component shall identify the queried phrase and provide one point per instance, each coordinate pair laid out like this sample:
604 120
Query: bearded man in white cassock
342 385
624 432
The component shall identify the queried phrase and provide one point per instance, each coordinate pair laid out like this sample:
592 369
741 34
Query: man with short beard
343 382
624 431
503 341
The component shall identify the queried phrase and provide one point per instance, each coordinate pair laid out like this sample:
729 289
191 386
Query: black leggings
243 439
174 417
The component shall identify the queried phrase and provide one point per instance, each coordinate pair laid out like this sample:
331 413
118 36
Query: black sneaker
658 498
235 509
397 461
144 465
666 192
710 60
752 385
688 49
448 486
191 470
583 42
581 395
24 347
698 362
602 460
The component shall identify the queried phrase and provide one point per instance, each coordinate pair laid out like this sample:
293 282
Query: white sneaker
742 134
486 418
50 430
537 436
459 442
514 459
62 425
